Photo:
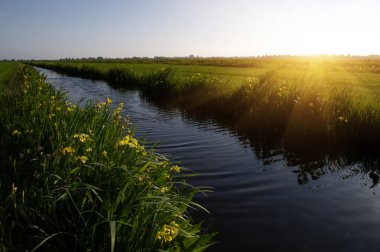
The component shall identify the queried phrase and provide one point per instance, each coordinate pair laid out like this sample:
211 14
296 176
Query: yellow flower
175 169
108 101
82 159
105 154
130 141
123 142
116 113
343 119
68 151
164 189
99 105
82 137
133 142
14 188
16 132
168 232
89 149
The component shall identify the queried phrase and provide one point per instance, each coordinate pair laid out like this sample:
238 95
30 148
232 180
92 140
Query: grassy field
361 74
75 178
333 100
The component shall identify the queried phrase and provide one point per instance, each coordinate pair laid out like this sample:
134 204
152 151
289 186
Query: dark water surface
272 201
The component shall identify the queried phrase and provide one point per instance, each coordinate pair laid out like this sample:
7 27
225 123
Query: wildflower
343 119
51 116
175 169
82 137
105 154
133 142
14 188
116 113
168 232
89 149
99 105
130 141
16 132
108 101
68 151
124 141
58 108
163 164
82 159
70 109
164 189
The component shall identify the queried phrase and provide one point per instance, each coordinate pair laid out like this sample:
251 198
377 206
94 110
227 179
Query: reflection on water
266 197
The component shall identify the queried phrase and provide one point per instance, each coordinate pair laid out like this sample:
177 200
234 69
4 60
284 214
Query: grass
361 74
74 178
329 101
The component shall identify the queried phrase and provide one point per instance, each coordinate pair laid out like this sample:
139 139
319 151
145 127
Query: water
263 200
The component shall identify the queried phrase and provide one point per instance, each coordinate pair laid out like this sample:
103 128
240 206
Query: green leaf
113 234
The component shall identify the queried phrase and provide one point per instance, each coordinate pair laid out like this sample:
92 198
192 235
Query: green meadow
361 74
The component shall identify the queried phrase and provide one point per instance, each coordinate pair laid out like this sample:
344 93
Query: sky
53 29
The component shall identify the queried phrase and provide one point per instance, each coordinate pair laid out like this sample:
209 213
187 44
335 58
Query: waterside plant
292 111
75 178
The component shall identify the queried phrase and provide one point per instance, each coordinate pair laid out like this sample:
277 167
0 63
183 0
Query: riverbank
290 113
73 179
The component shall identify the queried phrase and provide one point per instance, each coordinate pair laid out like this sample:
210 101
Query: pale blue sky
115 28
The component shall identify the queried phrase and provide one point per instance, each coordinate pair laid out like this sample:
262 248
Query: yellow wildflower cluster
16 132
68 151
82 137
168 232
163 164
100 105
82 159
128 140
175 169
70 107
343 119
164 189
116 113
108 101
132 142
